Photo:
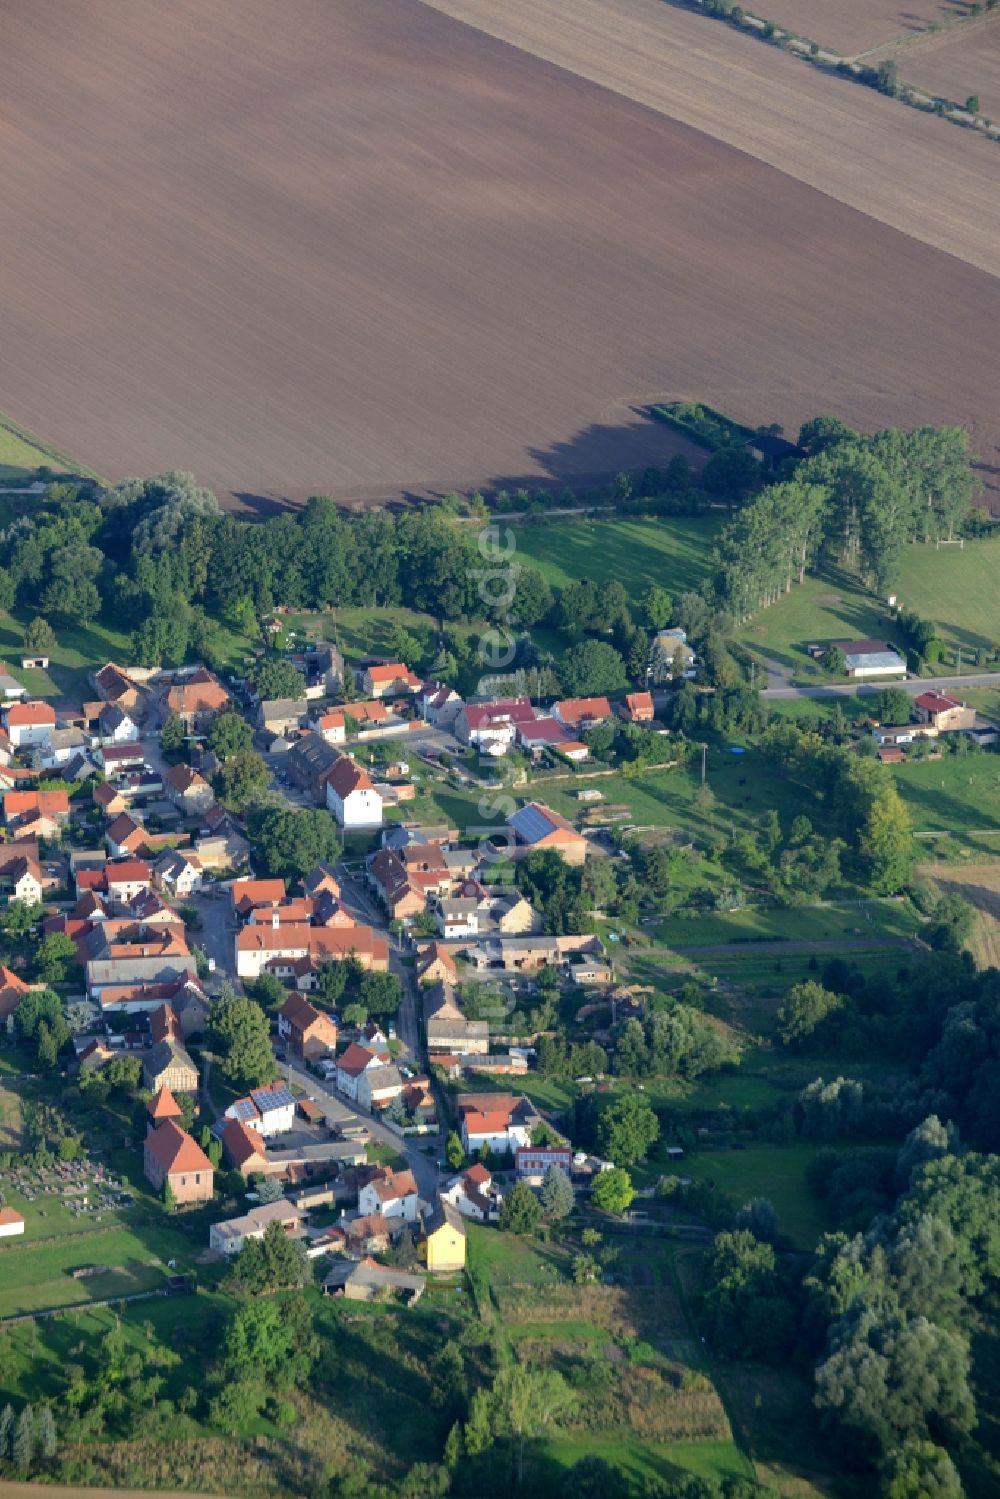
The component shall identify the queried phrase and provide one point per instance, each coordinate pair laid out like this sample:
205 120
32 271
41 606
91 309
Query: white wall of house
392 1207
359 809
274 1121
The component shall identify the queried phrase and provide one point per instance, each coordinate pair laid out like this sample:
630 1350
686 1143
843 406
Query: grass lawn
21 454
776 1172
674 552
37 1276
956 794
652 1460
806 924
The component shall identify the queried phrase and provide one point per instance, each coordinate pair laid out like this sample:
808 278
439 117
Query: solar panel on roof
531 824
273 1098
243 1110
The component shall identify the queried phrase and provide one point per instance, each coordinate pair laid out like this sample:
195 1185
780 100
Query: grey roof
383 1077
284 707
166 1054
314 752
877 660
445 1212
530 823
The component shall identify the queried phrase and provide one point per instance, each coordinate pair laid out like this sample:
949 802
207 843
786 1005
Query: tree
290 842
56 954
242 778
523 1403
886 1375
276 679
556 1193
928 1141
454 1152
894 705
520 1211
759 1218
972 104
655 607
613 1191
47 1440
228 735
241 1030
267 990
273 1263
748 1316
6 1431
22 1446
627 1128
169 1199
920 1470
803 1008
269 1189
591 667
173 734
729 472
39 636
380 993
331 980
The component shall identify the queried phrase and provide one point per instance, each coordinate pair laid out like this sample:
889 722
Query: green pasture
645 1461
36 1276
21 454
956 794
820 923
674 552
776 1172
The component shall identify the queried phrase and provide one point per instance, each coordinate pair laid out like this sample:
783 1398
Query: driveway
340 1111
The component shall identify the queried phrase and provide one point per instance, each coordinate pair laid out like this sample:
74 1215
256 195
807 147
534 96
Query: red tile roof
31 715
174 1150
163 1105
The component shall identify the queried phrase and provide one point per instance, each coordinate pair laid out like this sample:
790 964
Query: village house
439 704
178 873
351 797
321 881
529 953
124 879
307 1032
671 658
267 1110
182 993
279 948
500 1120
136 975
29 723
243 1149
115 725
547 733
171 1156
282 715
12 991
309 765
578 714
537 827
475 1194
114 685
197 699
405 888
168 1065
492 726
943 713
188 790
369 1233
61 747
330 726
435 964
36 814
354 1061
446 1027
391 1193
390 680
125 836
247 896
116 758
21 876
456 916
637 707
367 715
378 1086
230 1236
532 1161
443 1246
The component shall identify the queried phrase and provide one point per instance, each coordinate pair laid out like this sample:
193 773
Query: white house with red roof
492 726
499 1120
351 796
356 1060
389 680
475 1194
29 723
391 1193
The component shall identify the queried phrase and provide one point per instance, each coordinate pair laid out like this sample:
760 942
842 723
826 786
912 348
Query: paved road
339 1110
217 931
914 687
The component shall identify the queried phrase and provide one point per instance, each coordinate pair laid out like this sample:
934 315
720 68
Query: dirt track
370 249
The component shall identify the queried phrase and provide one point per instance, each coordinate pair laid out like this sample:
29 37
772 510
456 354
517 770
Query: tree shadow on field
603 449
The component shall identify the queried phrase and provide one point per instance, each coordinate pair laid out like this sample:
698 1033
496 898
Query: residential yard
675 552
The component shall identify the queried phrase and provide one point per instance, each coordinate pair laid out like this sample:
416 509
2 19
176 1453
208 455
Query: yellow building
444 1245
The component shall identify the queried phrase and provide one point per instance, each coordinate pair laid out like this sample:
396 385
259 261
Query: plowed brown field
358 247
